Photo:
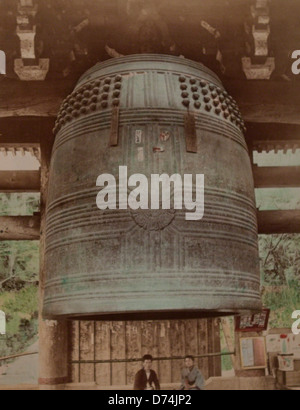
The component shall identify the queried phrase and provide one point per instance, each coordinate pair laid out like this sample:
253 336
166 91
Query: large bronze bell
154 114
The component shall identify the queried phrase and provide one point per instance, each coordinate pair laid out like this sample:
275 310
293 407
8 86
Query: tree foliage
280 258
19 272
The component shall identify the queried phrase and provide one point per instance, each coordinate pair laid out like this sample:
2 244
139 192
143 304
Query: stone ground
228 373
23 370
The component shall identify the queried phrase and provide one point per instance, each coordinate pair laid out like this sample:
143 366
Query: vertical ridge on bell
190 132
114 130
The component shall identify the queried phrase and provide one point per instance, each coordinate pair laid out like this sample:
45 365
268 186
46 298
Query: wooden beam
43 98
28 131
278 222
272 136
20 181
19 228
24 130
266 101
18 146
260 132
276 177
260 101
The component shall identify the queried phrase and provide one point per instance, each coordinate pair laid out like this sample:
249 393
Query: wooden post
19 228
214 346
53 335
229 340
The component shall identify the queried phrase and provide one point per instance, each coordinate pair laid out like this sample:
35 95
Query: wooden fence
120 345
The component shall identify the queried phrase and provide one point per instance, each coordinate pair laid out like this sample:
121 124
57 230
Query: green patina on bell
154 114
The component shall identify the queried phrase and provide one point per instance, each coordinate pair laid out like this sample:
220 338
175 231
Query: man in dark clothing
146 378
191 377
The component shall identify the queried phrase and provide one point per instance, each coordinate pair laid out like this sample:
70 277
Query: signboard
253 353
284 343
2 323
253 323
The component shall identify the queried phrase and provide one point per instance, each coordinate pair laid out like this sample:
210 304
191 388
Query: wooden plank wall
131 340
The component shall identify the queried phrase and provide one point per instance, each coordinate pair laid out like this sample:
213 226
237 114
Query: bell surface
154 114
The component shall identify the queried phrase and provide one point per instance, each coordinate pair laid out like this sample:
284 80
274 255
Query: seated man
192 378
146 379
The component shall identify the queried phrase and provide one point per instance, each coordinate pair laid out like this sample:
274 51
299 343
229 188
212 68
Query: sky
279 159
18 162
